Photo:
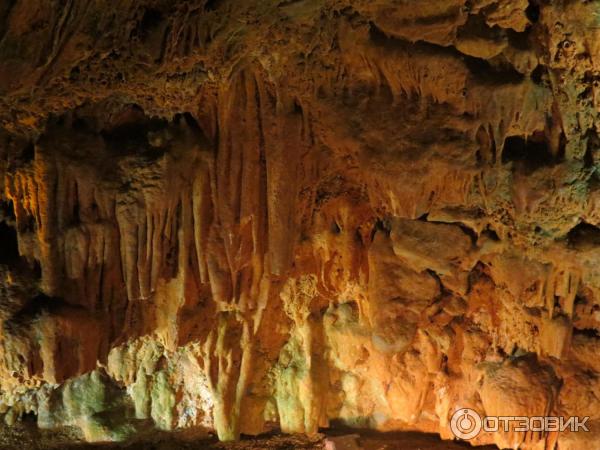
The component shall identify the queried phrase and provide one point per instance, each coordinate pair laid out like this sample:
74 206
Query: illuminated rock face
248 215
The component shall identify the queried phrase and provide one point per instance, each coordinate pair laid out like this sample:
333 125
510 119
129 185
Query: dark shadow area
211 5
6 7
365 440
501 72
590 333
28 313
532 152
130 134
490 234
397 440
533 11
383 226
9 246
583 235
28 153
592 146
539 75
7 212
151 19
188 119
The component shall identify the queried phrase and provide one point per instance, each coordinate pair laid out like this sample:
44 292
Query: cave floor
30 438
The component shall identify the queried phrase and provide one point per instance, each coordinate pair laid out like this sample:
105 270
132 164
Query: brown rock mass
251 215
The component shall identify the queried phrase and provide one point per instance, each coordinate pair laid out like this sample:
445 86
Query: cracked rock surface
235 217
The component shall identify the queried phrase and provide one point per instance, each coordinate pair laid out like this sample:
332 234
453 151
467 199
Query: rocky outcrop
246 216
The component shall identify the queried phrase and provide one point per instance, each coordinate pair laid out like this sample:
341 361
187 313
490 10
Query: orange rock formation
263 214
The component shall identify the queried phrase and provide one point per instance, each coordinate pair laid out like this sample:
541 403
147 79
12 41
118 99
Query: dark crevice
579 300
539 75
592 146
469 232
442 289
562 147
477 25
379 37
6 8
7 212
533 12
27 224
29 418
587 95
586 332
127 136
191 121
28 153
358 238
583 234
78 124
81 124
211 5
297 107
34 308
519 40
36 270
151 19
464 228
482 70
591 78
485 72
9 246
478 272
381 225
130 134
76 213
493 143
515 148
164 42
490 234
497 69
532 152
172 256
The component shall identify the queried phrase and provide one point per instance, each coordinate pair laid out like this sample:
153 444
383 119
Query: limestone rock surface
246 216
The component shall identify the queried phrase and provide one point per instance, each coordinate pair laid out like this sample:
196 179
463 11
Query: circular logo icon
465 424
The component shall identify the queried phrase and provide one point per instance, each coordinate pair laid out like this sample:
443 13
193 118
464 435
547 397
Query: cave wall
248 215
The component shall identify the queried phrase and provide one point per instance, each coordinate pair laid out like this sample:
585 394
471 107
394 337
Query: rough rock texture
40 439
248 215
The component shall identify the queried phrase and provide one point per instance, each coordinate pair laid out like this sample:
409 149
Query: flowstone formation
242 216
